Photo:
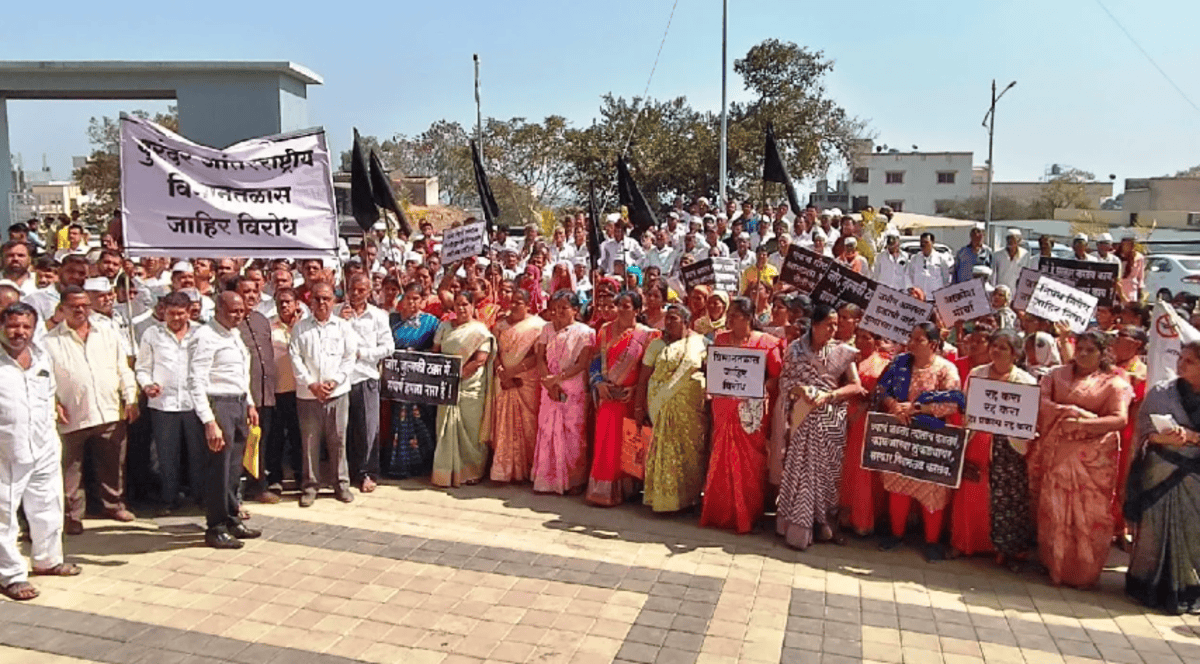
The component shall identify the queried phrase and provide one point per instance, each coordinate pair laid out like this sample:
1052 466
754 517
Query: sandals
368 485
21 591
61 569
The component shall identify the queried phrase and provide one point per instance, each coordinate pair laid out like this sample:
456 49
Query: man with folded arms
375 343
219 384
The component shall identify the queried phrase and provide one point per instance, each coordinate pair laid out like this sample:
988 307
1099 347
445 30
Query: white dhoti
37 489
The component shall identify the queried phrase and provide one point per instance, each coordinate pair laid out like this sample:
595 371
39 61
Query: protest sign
803 268
962 302
270 196
1002 408
463 242
428 378
841 285
736 372
921 454
1096 278
726 275
1168 332
1054 301
893 315
698 273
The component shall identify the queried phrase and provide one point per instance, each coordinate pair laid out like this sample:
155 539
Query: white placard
965 301
892 314
736 372
270 196
1003 408
726 274
1168 333
463 242
1055 301
1025 285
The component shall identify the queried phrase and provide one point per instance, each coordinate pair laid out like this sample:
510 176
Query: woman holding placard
1073 468
819 376
1164 493
410 452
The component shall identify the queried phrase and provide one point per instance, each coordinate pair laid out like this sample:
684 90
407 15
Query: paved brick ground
497 574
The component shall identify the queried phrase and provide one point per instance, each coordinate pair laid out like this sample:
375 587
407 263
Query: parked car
1170 274
911 247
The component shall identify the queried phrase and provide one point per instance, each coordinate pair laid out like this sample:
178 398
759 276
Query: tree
100 176
975 208
1064 191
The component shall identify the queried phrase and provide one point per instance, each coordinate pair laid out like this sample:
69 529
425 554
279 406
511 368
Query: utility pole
724 112
989 122
478 110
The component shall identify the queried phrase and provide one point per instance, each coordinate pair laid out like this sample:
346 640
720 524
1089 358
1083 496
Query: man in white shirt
620 248
1008 263
1079 247
16 266
1104 252
928 270
662 255
75 243
323 351
889 268
162 371
97 394
219 385
375 343
72 272
743 256
783 245
30 467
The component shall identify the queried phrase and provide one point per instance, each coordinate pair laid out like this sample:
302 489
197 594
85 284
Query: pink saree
559 460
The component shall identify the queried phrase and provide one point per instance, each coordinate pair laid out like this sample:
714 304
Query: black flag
491 211
775 171
385 197
593 238
362 201
631 197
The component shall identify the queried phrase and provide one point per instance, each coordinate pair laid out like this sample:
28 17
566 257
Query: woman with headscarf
461 453
1041 354
518 394
1073 468
697 302
531 283
562 277
714 316
1163 498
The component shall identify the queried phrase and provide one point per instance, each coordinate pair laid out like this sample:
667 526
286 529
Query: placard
269 196
726 275
463 242
927 455
961 302
1003 408
1025 285
1096 278
1168 333
803 268
736 372
415 377
840 285
699 273
892 314
1054 301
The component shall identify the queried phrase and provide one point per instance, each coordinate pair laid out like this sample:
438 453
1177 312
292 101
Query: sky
919 72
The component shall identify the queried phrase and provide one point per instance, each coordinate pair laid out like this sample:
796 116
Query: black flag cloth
593 238
775 171
491 211
362 201
631 197
385 197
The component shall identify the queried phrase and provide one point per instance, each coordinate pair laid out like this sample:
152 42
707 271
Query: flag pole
724 113
478 110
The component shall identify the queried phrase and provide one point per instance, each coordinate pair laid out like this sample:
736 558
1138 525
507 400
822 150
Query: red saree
863 497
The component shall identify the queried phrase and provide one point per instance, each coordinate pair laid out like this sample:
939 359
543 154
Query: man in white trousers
30 457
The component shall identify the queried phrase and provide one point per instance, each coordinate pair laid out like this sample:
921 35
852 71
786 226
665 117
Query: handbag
635 443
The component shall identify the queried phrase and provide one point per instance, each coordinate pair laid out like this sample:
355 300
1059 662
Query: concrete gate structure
219 103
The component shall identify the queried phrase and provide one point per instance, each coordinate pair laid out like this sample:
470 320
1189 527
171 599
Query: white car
911 247
1170 274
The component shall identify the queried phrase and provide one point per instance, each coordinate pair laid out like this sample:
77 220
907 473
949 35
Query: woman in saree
621 345
819 375
759 292
1073 466
920 387
714 314
1164 493
735 489
564 351
562 277
697 302
1041 354
779 320
488 309
654 315
518 394
409 452
990 510
863 497
531 283
673 402
1128 348
461 454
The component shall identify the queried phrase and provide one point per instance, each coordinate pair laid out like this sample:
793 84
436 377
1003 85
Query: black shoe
240 531
889 542
344 495
221 539
934 552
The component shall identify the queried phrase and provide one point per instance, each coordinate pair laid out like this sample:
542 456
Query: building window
862 175
897 206
946 177
895 177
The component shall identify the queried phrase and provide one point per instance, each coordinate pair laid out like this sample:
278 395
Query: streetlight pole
724 115
989 121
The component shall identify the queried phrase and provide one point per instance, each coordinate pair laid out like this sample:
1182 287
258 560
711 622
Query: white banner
737 372
727 275
463 242
1055 301
270 196
1003 408
964 301
893 315
1168 333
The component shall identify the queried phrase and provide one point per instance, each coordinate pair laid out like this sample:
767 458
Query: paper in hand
1163 423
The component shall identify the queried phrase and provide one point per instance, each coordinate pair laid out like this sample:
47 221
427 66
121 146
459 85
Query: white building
908 181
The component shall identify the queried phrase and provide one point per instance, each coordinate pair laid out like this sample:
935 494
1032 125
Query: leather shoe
344 495
220 539
268 498
241 532
123 515
73 527
307 499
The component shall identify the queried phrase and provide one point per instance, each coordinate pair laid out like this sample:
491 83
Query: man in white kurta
30 457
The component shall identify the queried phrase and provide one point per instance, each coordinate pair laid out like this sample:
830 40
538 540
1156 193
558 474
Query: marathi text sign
428 378
1054 301
726 275
698 273
463 242
736 372
921 454
963 301
1002 408
265 196
892 314
803 268
840 285
1098 279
